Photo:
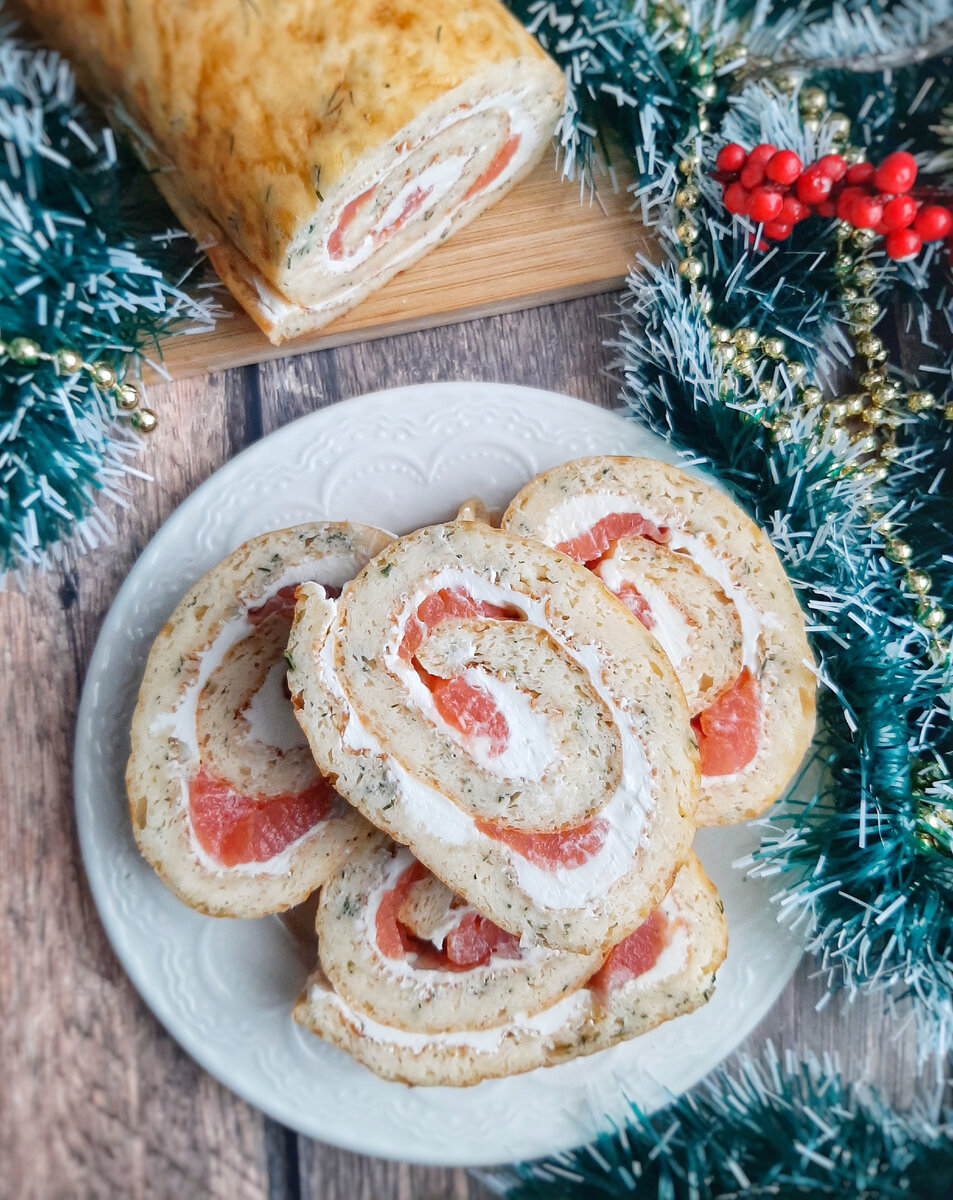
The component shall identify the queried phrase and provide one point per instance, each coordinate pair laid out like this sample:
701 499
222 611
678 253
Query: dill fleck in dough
419 987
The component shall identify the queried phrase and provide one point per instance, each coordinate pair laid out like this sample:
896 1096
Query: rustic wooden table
96 1100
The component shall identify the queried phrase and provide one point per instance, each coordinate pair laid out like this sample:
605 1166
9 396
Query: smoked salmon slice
233 828
590 546
472 943
638 953
636 603
567 848
728 733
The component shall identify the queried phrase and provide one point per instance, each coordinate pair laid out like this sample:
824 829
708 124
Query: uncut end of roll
459 156
627 995
225 800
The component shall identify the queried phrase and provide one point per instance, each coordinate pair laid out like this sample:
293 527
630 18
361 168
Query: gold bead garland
875 409
761 361
125 396
870 418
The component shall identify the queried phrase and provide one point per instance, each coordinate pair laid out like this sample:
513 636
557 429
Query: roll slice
416 985
467 695
706 581
315 149
225 799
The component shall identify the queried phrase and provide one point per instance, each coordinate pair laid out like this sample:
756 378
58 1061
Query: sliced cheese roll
315 149
707 583
467 695
397 945
225 798
416 985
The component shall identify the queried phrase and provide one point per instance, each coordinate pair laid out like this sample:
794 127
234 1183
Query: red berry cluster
774 188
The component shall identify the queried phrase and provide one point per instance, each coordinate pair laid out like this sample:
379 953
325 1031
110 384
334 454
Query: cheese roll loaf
706 581
420 988
467 695
225 799
316 147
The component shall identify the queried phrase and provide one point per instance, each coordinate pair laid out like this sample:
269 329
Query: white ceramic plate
224 989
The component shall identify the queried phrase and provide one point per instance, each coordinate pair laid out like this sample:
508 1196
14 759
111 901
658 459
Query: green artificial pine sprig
77 274
780 1129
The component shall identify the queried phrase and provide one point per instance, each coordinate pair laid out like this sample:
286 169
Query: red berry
783 167
813 187
762 152
826 208
846 200
933 223
866 212
860 173
792 211
752 173
903 243
765 204
731 158
899 212
777 230
736 198
896 173
833 166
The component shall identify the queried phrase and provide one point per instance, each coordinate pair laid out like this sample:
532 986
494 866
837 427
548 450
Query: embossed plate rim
495 433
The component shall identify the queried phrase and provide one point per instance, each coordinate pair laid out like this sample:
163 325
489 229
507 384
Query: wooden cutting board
542 243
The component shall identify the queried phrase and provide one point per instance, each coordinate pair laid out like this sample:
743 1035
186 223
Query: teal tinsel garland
75 274
780 1129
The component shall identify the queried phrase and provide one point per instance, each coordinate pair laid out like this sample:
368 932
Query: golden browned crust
255 112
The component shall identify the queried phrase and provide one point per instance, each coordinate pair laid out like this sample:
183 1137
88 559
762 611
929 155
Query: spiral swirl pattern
463 696
706 581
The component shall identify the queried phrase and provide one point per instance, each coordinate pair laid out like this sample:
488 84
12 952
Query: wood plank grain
542 243
97 1101
557 347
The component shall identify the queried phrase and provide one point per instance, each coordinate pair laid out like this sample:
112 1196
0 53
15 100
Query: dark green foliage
779 1130
77 272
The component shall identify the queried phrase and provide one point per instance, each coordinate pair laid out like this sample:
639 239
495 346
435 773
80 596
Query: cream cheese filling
529 748
422 979
520 122
670 630
278 308
436 180
557 1018
578 514
482 1041
270 717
